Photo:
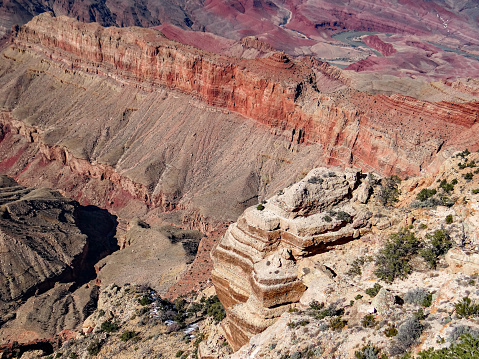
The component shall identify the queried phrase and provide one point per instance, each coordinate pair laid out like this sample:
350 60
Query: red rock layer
277 91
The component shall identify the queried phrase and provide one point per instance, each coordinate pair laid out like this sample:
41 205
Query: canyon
178 143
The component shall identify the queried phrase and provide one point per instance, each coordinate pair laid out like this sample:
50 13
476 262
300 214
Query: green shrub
372 292
94 348
344 216
468 176
447 187
475 191
389 190
464 153
368 321
319 312
337 323
458 331
419 314
454 182
260 207
145 300
390 332
449 219
109 327
466 308
422 226
314 305
129 334
392 261
359 296
438 245
215 309
179 353
425 194
327 218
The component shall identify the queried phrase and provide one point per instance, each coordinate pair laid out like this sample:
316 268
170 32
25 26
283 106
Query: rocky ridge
47 239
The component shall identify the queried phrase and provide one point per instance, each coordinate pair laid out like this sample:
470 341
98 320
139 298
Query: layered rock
257 264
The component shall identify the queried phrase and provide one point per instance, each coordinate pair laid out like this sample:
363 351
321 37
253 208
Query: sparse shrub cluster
418 296
448 187
392 260
337 323
215 309
408 333
129 335
356 266
109 327
94 348
317 310
368 321
390 332
466 348
461 330
464 153
369 352
340 216
145 300
425 194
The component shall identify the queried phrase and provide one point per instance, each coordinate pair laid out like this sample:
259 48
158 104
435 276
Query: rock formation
257 271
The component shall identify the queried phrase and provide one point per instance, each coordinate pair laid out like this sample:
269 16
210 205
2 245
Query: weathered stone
383 300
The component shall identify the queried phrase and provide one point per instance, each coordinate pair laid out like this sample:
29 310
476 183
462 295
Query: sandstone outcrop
257 265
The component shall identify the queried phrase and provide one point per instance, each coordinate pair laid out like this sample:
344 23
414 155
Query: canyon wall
285 94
